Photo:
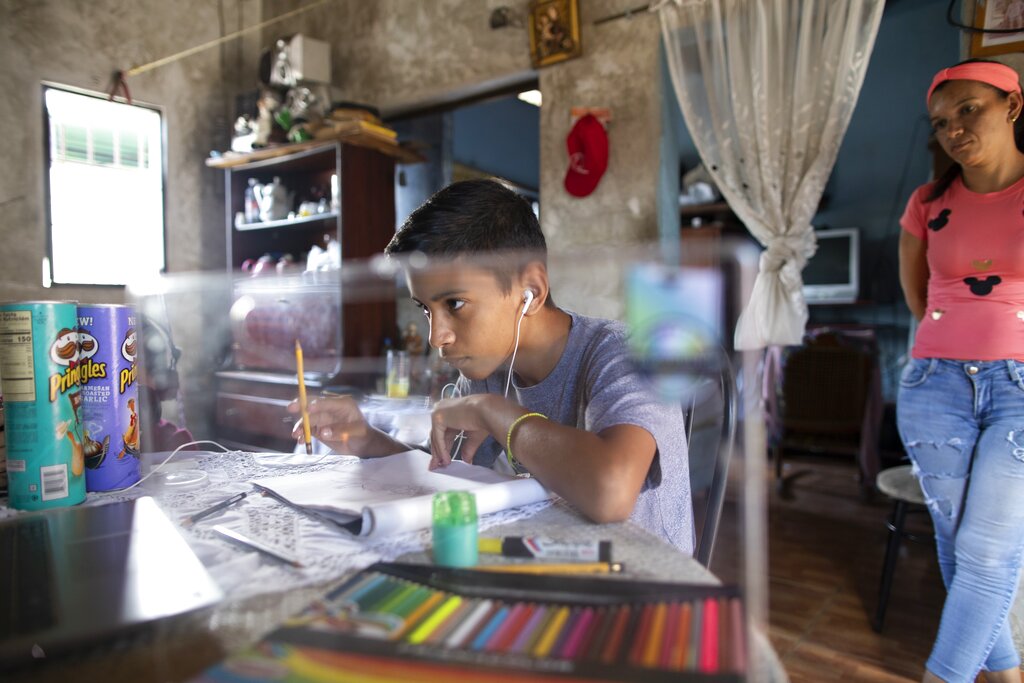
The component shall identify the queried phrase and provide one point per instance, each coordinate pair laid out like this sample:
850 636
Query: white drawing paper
378 496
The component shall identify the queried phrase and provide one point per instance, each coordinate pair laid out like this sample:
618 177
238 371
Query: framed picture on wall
998 15
554 31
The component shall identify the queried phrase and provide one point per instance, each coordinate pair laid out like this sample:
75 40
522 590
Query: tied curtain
767 88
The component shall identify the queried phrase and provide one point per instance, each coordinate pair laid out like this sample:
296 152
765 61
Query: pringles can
110 396
40 371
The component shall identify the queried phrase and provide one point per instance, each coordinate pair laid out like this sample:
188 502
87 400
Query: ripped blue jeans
962 423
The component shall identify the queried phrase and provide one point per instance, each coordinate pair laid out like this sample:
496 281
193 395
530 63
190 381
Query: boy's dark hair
940 186
476 218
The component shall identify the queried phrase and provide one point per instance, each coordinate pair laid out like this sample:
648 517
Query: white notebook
374 497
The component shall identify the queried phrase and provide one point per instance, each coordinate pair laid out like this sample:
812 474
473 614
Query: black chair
710 420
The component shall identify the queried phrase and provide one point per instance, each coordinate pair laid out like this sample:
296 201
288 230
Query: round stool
900 484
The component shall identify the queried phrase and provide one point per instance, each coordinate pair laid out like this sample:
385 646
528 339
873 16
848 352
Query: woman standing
961 399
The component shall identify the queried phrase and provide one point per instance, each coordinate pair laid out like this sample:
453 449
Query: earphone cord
515 349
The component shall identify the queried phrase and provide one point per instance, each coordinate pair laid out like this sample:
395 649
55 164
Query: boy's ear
534 278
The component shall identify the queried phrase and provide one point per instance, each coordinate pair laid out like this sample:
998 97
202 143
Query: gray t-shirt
596 385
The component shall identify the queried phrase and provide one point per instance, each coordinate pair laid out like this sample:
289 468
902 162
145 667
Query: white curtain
767 88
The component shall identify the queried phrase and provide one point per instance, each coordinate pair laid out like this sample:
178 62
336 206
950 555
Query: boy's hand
335 420
469 414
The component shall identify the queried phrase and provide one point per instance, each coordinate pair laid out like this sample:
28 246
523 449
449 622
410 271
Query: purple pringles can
110 396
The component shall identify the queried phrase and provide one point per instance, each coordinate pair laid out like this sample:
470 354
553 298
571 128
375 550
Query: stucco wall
80 43
397 55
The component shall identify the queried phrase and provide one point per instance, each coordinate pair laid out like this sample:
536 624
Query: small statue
413 341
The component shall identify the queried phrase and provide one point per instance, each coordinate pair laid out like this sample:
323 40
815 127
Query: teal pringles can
455 529
40 371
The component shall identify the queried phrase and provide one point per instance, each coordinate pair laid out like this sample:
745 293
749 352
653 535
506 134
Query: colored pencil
419 613
522 639
709 638
592 631
504 636
346 594
495 622
549 614
668 638
394 590
555 568
370 597
441 633
596 645
554 627
482 624
303 406
572 643
653 640
635 652
435 619
693 646
388 604
404 608
681 644
567 628
616 636
468 624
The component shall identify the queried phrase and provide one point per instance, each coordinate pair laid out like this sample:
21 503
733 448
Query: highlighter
547 549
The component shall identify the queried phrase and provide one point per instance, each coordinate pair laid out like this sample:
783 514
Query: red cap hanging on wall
588 156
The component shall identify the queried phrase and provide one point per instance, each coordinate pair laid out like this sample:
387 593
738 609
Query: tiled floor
825 554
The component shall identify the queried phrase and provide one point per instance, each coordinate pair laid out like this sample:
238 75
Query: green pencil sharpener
455 529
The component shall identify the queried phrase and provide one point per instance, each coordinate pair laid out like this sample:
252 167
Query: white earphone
528 296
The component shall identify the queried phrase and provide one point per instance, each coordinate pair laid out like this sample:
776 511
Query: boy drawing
542 390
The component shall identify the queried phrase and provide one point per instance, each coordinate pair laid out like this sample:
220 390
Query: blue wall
884 155
501 137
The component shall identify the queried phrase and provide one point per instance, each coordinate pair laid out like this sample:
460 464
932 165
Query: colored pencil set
584 628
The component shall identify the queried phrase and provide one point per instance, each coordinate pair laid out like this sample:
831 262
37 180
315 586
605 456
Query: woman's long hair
940 186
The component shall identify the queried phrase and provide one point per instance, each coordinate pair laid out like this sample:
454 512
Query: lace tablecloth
260 592
325 550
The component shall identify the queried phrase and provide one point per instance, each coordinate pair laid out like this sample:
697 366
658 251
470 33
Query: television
832 275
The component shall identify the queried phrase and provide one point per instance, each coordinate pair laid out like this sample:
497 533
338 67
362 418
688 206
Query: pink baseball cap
588 156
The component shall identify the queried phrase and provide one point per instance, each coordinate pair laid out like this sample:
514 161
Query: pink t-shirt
975 248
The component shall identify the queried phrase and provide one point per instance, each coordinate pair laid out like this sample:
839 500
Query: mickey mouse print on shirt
940 221
982 287
978 287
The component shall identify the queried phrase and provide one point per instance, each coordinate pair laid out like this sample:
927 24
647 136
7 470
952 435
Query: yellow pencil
434 620
302 399
547 640
556 568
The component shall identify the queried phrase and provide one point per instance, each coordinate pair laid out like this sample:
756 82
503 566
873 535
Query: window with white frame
106 189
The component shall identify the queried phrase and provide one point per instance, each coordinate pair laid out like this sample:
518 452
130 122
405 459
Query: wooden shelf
402 155
286 222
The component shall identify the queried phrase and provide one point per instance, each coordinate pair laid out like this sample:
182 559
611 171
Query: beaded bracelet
512 462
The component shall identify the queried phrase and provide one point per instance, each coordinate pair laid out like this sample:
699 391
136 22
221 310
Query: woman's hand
337 421
474 415
914 273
